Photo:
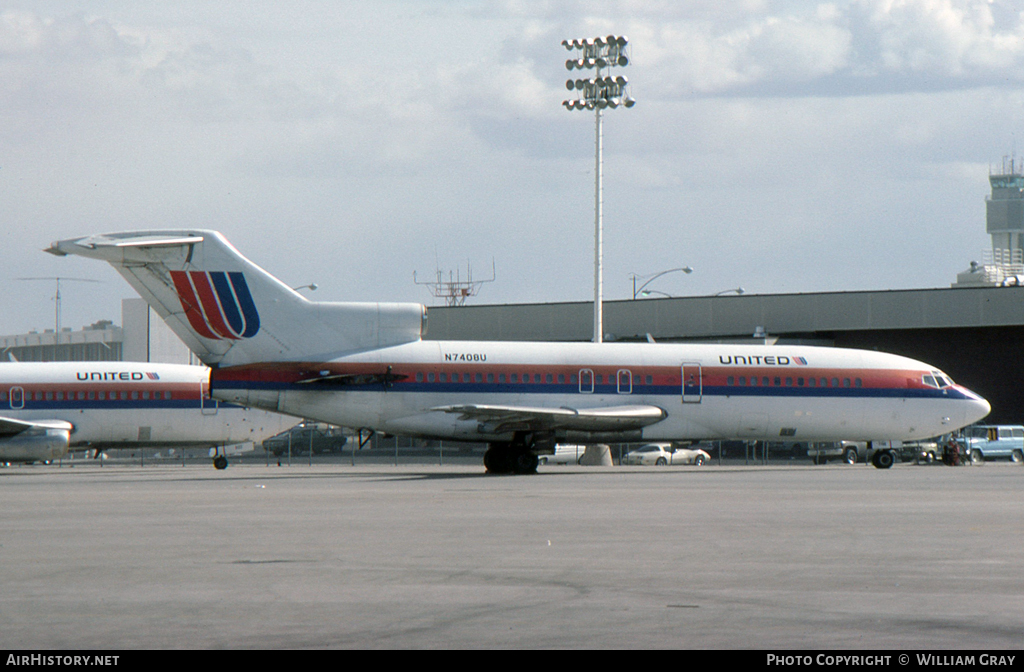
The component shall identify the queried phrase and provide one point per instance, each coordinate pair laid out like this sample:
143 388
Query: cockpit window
936 379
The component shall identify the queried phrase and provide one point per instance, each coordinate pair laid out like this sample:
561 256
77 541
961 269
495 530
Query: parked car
565 453
321 437
662 454
987 442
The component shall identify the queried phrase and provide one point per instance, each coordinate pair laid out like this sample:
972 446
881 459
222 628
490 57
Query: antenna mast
455 290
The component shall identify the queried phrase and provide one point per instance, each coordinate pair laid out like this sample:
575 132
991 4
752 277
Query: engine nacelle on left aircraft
36 444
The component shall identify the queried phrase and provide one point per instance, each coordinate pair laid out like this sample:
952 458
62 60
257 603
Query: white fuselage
126 404
794 393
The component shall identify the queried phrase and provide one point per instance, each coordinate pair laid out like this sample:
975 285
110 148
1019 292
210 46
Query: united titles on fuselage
114 375
757 360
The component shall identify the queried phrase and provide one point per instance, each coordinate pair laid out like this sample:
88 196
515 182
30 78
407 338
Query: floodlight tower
596 94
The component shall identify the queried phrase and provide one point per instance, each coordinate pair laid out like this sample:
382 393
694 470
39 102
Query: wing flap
534 418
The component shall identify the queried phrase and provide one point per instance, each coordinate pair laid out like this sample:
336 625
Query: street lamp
735 290
637 290
598 93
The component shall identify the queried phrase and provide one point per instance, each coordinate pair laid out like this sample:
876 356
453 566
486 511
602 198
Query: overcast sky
777 146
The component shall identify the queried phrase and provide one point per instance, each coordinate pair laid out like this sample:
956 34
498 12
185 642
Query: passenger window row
789 381
528 378
83 395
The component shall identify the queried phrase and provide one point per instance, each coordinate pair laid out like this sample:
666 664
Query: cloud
345 142
796 48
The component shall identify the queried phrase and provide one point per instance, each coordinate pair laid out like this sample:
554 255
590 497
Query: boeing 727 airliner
366 366
47 408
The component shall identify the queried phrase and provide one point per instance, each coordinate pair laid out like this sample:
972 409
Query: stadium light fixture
598 93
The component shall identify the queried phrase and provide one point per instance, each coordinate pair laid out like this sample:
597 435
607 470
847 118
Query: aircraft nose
978 407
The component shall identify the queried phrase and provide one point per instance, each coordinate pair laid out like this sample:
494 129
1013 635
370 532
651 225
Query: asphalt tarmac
427 556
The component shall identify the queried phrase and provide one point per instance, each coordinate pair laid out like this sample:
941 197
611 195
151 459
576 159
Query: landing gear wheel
220 462
506 458
496 459
524 463
883 459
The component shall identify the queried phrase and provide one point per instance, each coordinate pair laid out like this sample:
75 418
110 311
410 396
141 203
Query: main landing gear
512 457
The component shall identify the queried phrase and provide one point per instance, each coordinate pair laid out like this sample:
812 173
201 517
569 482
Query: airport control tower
1004 215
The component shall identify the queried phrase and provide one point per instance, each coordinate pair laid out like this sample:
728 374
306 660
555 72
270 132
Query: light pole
597 94
637 290
735 290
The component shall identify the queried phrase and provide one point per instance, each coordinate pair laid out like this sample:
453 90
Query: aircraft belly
357 410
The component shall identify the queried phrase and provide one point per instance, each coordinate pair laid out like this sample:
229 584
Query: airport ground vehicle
882 454
987 442
850 452
565 453
662 454
321 437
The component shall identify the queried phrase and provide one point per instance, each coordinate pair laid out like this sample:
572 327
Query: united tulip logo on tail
217 304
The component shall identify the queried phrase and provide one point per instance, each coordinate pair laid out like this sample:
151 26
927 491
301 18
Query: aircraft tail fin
230 311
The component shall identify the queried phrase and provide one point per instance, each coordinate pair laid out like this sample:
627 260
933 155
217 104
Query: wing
502 419
10 427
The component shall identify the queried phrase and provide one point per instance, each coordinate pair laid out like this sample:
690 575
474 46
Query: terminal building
971 330
143 337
